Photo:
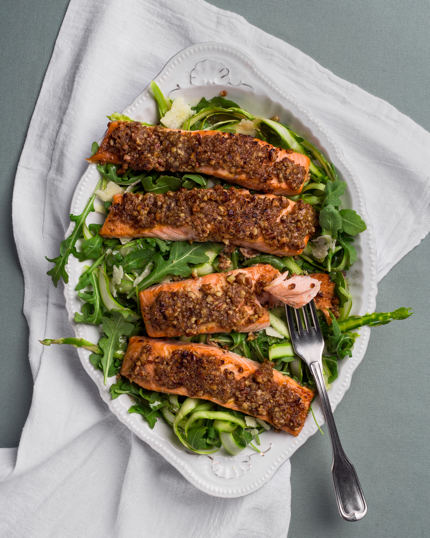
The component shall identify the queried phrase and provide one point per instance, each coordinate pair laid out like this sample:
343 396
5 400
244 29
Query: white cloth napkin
78 471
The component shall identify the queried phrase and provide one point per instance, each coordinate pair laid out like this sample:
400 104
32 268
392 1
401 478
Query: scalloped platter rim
204 70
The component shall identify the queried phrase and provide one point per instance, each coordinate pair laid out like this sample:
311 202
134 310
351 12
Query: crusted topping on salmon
233 157
202 371
265 222
221 302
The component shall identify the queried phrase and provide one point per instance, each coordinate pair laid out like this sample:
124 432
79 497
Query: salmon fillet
236 158
326 300
210 373
263 222
220 302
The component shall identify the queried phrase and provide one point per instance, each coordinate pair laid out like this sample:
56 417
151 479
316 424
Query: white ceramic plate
205 70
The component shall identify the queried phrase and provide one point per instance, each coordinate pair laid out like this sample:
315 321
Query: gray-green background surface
384 47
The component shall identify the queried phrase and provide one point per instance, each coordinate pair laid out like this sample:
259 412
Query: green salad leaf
333 190
334 220
114 327
330 220
218 101
68 246
109 171
91 249
92 309
148 403
164 246
352 223
137 259
181 256
160 184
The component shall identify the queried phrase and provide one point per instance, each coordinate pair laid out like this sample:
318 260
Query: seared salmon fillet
211 373
326 299
263 222
220 302
236 158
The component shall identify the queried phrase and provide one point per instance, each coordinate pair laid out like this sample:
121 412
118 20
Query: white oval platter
205 70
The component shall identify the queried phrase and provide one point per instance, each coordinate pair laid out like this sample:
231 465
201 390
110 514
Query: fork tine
290 319
300 327
307 314
314 314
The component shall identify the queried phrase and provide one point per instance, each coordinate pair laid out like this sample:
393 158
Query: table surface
382 46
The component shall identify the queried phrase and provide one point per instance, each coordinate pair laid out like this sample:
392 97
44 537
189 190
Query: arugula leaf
151 415
148 403
162 184
274 261
124 386
341 289
333 190
191 180
213 437
92 309
181 256
339 342
331 363
242 437
215 101
346 241
196 437
165 183
91 249
114 328
334 220
137 259
109 171
85 278
164 246
330 220
114 369
238 339
352 223
68 246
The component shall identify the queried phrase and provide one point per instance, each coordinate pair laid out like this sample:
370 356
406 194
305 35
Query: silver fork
308 344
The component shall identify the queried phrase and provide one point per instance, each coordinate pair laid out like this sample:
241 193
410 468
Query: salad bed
109 287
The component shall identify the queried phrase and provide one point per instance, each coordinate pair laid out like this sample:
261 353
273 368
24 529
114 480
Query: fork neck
316 370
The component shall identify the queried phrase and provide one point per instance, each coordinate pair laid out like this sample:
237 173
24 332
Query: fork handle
349 495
